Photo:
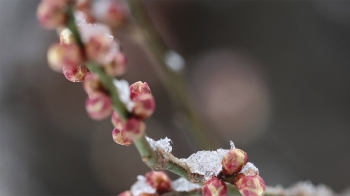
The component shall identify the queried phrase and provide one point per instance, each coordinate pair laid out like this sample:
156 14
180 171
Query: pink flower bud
117 121
99 107
214 187
112 12
125 193
119 137
75 74
159 181
250 185
66 37
139 88
64 55
51 14
92 85
98 47
134 129
233 161
144 106
118 65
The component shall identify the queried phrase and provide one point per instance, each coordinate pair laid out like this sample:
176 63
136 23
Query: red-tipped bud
144 106
214 187
125 193
64 55
119 137
159 181
75 74
66 37
99 107
134 129
98 47
250 185
118 65
92 85
139 88
233 161
52 14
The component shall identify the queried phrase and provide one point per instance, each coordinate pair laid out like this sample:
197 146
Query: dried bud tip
250 185
159 181
134 129
233 161
119 137
139 88
75 74
99 107
214 187
66 37
144 106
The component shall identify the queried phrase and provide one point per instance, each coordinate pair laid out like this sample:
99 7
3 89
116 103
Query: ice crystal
124 93
183 185
162 144
232 145
207 163
141 186
249 169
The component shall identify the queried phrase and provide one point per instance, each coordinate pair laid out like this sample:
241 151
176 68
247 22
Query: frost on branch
141 186
301 188
207 163
183 185
160 144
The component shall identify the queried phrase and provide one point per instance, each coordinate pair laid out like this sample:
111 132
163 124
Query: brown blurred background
272 76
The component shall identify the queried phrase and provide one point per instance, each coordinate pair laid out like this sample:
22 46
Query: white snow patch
87 30
124 93
207 163
183 185
162 144
174 60
141 186
249 169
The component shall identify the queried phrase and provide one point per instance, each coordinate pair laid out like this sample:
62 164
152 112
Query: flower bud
117 121
134 129
66 37
119 137
118 65
111 12
159 181
64 55
139 88
92 85
51 14
98 47
233 161
99 107
250 185
125 193
144 106
75 74
214 187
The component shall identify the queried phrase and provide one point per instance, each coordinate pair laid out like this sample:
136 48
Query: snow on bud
66 37
98 47
250 185
64 55
51 13
214 187
159 181
139 88
119 137
75 74
92 85
134 129
144 106
125 193
233 161
111 12
117 66
99 107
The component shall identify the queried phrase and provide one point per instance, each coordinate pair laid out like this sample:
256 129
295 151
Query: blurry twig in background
147 36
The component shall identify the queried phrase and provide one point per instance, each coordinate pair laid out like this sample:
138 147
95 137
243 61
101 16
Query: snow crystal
249 169
183 185
232 145
207 163
162 143
141 186
124 93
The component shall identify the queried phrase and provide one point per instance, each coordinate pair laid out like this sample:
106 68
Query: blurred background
271 76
